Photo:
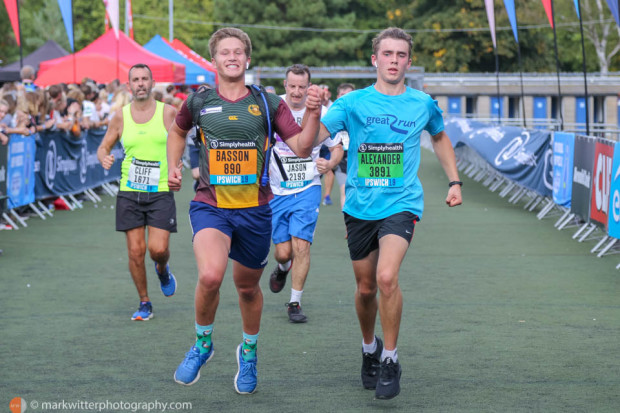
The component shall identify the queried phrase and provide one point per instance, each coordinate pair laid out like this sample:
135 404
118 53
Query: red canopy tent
190 54
95 66
98 61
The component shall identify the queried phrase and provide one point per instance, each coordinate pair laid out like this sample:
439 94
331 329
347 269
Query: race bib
380 164
144 175
233 162
299 171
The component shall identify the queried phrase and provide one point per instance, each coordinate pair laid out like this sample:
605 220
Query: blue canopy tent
194 74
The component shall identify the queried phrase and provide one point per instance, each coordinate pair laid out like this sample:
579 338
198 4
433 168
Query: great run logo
392 121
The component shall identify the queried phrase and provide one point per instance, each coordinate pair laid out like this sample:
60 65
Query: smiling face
140 83
230 59
392 60
296 87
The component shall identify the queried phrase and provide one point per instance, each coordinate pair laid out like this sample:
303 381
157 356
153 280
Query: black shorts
363 235
139 209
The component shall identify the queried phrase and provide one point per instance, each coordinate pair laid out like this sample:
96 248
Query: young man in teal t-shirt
384 196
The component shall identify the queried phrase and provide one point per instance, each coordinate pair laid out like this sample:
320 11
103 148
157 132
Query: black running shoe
295 315
371 362
389 379
277 279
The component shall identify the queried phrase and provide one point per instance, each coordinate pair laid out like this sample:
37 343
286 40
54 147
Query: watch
456 183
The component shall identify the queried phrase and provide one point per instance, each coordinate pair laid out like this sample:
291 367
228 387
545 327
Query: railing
601 130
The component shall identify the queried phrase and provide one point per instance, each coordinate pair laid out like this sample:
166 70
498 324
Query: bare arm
170 113
175 148
313 131
445 153
324 165
112 135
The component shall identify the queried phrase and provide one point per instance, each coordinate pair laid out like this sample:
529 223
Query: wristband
456 183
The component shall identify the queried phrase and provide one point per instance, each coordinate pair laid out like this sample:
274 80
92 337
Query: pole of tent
19 28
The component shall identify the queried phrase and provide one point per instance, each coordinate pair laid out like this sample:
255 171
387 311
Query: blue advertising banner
563 150
66 166
522 155
613 224
20 171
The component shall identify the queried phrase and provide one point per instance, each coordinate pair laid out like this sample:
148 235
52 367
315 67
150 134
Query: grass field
502 313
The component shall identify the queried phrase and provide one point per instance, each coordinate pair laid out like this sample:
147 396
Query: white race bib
144 175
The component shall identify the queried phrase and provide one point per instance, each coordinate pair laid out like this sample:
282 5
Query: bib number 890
232 168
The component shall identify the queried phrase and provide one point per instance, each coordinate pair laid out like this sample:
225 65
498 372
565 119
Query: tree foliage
284 47
342 30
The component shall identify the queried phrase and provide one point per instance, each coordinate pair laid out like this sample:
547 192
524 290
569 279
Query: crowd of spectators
26 109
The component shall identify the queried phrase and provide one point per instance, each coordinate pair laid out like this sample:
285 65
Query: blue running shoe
327 200
245 380
188 371
144 313
167 282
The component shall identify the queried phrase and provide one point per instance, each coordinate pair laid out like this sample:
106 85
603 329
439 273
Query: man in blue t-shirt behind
384 196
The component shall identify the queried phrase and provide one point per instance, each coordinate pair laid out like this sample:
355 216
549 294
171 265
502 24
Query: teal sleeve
435 119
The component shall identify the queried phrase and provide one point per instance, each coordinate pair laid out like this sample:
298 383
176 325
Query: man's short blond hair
392 33
227 32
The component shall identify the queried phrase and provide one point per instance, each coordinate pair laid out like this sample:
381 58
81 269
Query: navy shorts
194 156
249 230
325 153
363 235
138 209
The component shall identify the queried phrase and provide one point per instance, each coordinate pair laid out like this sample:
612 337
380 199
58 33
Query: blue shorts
194 156
249 230
295 215
324 152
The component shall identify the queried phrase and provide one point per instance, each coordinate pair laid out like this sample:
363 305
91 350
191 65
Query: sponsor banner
66 166
613 223
563 149
583 165
4 155
601 179
521 155
20 170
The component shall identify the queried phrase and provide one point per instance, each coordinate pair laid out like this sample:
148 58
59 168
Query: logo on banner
83 164
548 170
581 177
613 222
516 150
615 205
601 183
50 164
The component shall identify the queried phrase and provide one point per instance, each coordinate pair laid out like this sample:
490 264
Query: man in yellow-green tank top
144 199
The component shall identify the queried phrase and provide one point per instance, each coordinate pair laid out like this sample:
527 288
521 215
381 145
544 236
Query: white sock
389 353
369 348
296 296
286 266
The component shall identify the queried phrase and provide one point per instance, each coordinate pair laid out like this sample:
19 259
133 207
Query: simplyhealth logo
395 124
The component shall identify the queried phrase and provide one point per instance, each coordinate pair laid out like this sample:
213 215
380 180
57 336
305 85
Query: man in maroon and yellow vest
230 215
